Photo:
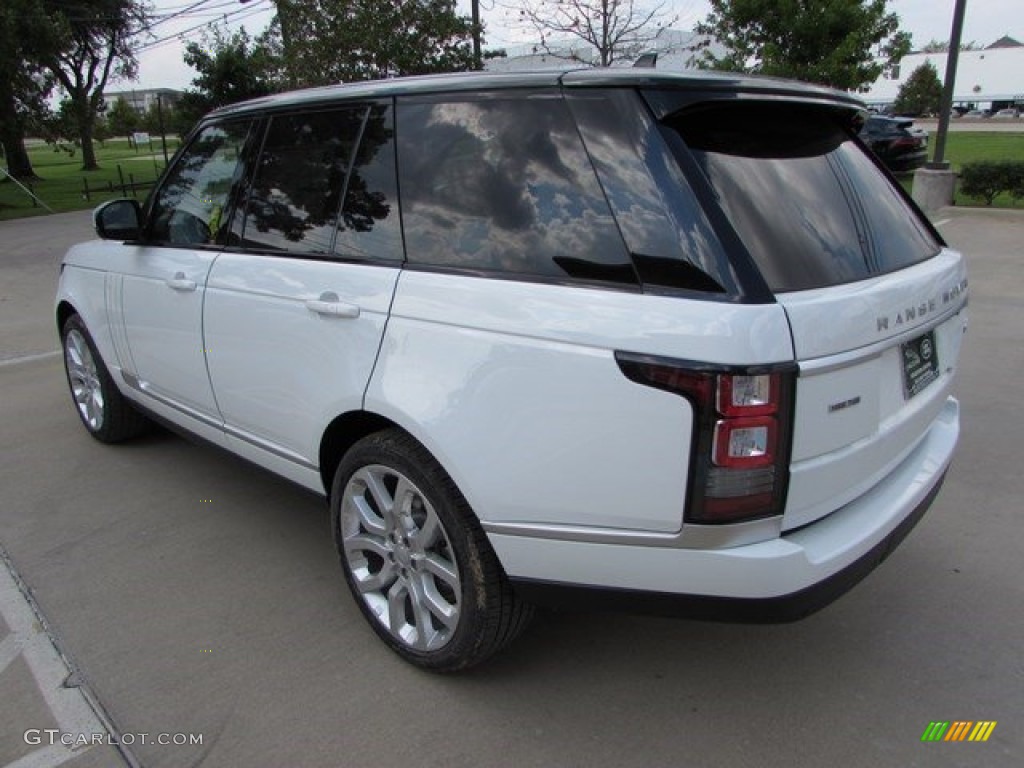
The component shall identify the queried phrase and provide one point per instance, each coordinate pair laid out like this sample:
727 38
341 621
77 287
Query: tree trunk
12 137
85 117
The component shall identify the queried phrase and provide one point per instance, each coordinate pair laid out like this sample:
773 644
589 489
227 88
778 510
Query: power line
239 15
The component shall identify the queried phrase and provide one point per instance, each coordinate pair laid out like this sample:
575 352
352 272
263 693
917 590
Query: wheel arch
344 432
65 309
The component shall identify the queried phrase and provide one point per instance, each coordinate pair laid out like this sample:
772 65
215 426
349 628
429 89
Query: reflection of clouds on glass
502 185
819 239
666 230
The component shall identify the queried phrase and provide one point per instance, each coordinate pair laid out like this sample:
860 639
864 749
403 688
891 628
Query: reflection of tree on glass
189 207
305 164
301 173
369 226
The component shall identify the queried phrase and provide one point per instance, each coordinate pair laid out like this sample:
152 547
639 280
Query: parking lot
193 594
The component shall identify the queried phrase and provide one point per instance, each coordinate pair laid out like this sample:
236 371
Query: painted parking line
29 358
942 222
28 638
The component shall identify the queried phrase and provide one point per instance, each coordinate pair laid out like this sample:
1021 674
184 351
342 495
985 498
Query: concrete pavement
197 595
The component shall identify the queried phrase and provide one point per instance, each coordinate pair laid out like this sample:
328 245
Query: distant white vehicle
1006 114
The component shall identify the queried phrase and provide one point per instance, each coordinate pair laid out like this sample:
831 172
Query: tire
416 559
104 411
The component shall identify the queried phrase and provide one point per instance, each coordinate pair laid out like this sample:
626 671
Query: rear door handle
330 305
181 283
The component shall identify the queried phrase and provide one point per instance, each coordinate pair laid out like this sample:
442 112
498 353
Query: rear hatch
874 299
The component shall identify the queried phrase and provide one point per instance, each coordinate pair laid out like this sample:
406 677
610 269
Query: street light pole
938 161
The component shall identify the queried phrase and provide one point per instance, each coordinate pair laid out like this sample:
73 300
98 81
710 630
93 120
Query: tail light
743 424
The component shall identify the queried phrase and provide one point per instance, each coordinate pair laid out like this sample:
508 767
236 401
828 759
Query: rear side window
296 192
370 227
672 243
500 182
810 206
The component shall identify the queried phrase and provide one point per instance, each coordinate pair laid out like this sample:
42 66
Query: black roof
698 80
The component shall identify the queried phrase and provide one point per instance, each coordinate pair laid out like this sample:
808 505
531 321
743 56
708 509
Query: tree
330 41
942 46
231 68
842 43
23 87
615 29
122 118
85 43
921 94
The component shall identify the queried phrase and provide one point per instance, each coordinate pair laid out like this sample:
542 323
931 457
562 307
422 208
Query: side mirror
118 220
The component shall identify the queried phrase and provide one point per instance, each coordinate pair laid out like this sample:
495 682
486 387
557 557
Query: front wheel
416 559
104 411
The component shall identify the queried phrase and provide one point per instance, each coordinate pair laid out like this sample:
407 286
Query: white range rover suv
651 341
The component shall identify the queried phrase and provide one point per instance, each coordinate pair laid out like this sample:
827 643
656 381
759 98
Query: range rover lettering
622 338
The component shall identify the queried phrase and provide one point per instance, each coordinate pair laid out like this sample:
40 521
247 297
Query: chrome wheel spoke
367 543
425 632
447 613
442 569
369 519
375 582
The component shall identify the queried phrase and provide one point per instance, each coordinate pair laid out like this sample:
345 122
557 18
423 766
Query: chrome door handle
181 283
330 305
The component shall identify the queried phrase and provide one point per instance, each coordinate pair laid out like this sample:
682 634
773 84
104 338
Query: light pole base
934 187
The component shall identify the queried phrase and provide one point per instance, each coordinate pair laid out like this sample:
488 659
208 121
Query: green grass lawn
62 181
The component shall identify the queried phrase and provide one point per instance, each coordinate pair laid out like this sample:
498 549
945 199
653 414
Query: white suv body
725 390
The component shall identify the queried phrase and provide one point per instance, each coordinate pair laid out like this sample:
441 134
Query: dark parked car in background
897 144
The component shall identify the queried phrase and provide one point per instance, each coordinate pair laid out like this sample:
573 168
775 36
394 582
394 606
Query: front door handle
181 283
330 305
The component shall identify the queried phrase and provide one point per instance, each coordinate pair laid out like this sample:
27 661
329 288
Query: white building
677 50
143 98
992 78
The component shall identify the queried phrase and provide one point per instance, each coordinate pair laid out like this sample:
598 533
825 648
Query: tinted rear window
808 203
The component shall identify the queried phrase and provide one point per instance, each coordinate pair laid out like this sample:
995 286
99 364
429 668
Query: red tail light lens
739 459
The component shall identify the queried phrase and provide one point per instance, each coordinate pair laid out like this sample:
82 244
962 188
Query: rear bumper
783 608
779 580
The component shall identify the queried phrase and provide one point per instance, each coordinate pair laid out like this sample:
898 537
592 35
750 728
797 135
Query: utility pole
163 133
947 91
935 184
477 54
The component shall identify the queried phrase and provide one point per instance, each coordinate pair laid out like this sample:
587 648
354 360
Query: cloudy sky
161 65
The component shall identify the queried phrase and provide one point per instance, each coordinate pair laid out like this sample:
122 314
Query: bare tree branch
615 29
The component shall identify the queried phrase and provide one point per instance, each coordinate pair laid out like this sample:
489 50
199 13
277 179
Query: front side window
189 209
501 183
296 191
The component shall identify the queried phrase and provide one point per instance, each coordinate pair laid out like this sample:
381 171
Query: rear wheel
104 411
414 555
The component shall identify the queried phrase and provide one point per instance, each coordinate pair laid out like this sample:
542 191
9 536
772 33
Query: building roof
1005 42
